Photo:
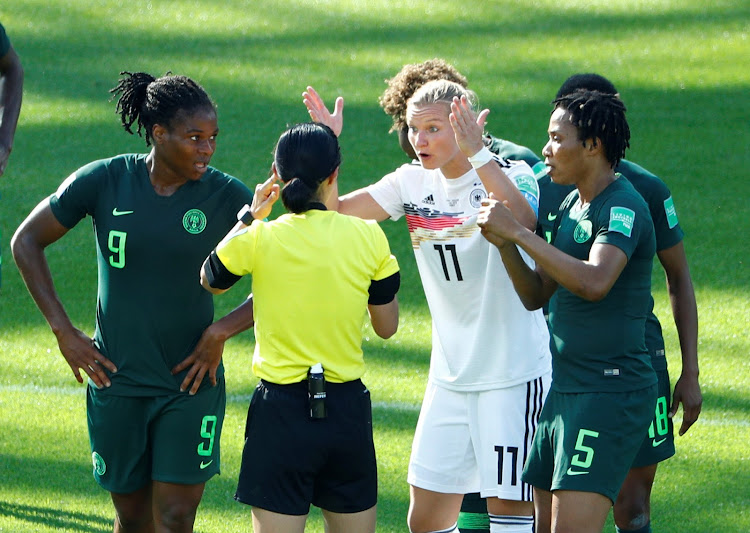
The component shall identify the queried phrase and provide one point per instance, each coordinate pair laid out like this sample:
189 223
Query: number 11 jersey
482 336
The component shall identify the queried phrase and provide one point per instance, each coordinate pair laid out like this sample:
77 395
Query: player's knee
177 517
425 523
631 513
127 522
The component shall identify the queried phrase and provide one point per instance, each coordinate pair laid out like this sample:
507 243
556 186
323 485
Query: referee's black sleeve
217 275
384 290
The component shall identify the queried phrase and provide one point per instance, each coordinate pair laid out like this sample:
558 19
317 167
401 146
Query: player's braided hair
146 101
411 77
599 116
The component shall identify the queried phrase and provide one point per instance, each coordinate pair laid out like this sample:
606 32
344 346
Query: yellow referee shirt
311 274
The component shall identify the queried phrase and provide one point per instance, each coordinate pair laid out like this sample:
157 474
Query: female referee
316 273
487 349
598 272
155 218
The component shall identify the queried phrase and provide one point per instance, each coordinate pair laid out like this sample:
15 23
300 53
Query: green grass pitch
680 65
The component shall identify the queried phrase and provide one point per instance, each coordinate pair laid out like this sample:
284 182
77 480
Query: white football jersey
482 336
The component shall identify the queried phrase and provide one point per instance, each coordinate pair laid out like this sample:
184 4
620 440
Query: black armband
217 275
384 290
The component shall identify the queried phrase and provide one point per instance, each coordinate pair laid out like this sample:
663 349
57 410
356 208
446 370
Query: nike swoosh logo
551 217
656 443
205 465
572 472
117 213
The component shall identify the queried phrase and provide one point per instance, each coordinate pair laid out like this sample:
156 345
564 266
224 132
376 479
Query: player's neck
594 182
163 179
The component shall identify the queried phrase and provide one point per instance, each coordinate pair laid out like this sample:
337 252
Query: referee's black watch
245 216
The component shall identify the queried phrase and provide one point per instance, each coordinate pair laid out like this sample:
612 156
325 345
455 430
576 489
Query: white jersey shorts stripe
476 441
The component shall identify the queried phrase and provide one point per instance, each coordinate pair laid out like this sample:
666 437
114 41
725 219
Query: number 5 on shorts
580 447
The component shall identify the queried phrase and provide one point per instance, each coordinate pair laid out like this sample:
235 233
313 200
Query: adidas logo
429 200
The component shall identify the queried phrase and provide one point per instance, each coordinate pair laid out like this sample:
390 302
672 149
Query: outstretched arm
358 203
40 229
684 309
11 93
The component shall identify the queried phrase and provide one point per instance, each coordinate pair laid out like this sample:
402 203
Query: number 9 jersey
151 309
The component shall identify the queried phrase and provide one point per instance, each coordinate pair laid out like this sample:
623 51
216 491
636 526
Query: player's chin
427 162
199 169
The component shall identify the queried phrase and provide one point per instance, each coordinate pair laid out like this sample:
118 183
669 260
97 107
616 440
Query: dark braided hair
600 117
147 101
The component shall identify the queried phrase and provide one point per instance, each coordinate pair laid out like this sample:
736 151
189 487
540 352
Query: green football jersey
668 233
661 207
4 41
151 308
600 346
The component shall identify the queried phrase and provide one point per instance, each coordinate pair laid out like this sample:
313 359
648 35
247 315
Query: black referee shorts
290 461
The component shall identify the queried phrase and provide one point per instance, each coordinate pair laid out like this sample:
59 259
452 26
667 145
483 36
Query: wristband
481 158
245 215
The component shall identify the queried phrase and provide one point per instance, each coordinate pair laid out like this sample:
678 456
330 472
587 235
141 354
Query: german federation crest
476 197
194 221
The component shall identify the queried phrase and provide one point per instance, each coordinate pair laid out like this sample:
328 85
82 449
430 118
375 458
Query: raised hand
265 196
467 126
319 112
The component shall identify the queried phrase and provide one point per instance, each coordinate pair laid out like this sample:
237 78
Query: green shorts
587 441
173 438
659 442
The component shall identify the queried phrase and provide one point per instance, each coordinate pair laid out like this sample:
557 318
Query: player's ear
157 133
593 145
334 176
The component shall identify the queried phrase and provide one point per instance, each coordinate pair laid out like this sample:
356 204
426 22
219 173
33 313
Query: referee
315 275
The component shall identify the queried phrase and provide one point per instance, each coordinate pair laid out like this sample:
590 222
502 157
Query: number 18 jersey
482 336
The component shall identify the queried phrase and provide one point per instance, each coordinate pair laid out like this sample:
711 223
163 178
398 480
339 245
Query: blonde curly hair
411 77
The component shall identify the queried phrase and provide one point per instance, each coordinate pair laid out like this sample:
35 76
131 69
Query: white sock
511 524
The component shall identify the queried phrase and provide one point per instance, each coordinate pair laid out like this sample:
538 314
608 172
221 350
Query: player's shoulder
510 150
111 168
220 179
645 182
622 193
4 41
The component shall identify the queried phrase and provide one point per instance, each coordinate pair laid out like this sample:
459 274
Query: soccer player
156 216
11 93
632 510
316 273
490 362
473 517
598 272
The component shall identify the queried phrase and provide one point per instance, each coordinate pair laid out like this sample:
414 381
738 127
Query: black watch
245 215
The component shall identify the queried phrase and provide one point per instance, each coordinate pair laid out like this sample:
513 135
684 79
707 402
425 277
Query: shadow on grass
54 518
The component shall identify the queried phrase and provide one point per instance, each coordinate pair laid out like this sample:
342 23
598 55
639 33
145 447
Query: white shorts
476 441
